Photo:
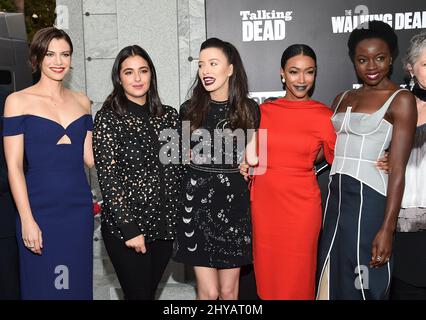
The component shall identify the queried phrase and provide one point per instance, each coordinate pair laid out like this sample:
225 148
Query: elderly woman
409 276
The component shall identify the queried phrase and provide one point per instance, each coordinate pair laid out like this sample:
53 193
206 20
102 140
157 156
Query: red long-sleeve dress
286 199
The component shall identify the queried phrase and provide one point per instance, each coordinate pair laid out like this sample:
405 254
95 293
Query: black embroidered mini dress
214 227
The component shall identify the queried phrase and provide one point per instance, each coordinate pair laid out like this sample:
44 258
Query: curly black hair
370 30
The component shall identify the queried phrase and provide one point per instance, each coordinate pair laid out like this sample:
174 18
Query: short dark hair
40 44
371 30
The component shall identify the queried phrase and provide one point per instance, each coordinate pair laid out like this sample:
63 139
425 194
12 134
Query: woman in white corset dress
409 274
363 202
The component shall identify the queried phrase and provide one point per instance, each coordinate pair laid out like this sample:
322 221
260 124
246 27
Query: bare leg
207 283
229 283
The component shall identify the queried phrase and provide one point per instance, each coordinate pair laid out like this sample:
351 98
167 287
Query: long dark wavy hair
117 100
239 104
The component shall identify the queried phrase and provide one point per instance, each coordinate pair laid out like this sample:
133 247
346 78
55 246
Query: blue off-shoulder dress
61 203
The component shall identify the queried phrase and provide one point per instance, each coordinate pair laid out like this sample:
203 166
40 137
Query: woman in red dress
286 199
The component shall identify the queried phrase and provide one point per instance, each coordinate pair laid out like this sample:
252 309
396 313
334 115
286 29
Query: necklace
419 92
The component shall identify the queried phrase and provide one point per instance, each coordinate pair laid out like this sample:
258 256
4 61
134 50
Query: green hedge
38 14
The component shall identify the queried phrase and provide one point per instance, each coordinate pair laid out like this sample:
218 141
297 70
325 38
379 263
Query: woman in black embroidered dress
214 230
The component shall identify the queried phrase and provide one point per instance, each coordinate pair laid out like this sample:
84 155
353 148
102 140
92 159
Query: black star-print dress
214 227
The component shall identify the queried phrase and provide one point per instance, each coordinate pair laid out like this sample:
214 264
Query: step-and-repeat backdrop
261 30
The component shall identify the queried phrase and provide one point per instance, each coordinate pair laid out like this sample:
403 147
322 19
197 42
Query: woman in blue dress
49 127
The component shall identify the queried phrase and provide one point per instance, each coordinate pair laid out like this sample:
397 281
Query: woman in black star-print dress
214 229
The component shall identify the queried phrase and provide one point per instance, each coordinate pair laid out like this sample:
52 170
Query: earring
282 80
412 82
